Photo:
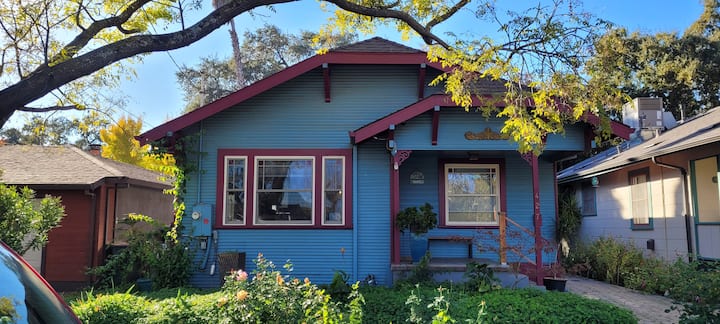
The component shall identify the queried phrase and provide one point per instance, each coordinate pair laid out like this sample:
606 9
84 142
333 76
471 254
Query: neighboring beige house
97 193
659 190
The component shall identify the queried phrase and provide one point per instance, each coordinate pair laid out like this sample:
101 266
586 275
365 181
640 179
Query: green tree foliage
68 45
681 69
57 131
120 145
26 221
267 50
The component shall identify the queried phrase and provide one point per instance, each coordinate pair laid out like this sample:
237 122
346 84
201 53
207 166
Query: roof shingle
65 165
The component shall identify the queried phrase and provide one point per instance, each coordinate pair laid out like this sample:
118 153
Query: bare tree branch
47 109
446 15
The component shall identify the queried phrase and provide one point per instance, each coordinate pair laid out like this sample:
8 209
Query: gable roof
700 130
67 166
400 116
372 51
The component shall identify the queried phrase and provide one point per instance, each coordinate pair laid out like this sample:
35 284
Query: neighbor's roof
57 166
375 50
700 130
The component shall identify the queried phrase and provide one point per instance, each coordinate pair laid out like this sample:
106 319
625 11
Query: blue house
313 163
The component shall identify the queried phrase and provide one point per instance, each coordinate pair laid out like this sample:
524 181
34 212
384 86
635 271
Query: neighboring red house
96 193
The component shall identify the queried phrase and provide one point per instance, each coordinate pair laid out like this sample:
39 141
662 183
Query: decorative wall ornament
417 177
487 134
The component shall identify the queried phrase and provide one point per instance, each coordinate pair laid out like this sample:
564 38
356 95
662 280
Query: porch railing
503 221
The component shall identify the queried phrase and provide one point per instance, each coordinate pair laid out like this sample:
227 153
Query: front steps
453 270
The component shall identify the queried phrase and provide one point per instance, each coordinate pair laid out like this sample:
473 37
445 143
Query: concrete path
649 309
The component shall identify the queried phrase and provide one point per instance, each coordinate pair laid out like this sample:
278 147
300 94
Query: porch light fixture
595 182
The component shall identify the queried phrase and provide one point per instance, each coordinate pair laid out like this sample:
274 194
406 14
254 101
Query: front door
706 200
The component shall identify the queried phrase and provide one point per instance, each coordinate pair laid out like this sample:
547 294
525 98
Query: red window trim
441 190
251 154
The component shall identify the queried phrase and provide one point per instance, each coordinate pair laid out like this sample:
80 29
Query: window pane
235 191
272 209
472 194
589 206
333 191
284 191
333 173
640 199
471 181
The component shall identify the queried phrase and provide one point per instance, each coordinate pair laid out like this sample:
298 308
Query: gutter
686 198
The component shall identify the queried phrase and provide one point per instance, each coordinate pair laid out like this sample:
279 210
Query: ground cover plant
270 295
694 285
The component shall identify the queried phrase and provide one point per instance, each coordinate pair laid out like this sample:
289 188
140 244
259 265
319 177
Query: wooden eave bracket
435 124
326 80
421 81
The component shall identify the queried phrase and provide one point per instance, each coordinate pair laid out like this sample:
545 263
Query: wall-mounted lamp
595 182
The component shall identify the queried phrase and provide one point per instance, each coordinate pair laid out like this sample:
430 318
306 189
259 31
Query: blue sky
155 96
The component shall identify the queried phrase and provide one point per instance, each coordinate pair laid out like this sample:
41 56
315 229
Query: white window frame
343 192
256 191
226 191
645 174
497 194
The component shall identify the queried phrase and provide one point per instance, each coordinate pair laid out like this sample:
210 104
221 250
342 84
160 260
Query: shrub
149 255
113 308
613 258
271 297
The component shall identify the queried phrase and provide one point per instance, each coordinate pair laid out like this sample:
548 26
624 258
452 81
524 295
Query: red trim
537 217
421 82
276 79
368 131
435 125
441 190
326 80
250 186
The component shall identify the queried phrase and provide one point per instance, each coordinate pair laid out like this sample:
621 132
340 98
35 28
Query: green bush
611 259
113 308
386 305
148 255
271 297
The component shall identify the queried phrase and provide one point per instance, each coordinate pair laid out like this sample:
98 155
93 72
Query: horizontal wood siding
455 122
373 216
295 116
519 200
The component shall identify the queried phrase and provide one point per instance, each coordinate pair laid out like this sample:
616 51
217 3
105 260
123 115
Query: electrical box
201 216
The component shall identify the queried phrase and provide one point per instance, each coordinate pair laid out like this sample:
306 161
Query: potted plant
418 221
555 281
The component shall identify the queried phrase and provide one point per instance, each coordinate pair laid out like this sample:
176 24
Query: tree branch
446 15
47 78
82 39
425 33
47 109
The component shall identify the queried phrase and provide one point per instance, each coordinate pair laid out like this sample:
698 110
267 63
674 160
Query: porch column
397 157
532 159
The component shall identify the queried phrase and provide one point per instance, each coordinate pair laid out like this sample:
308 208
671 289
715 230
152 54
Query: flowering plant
271 297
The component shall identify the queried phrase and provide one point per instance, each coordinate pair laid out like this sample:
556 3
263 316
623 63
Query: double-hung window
284 188
589 205
234 189
640 199
472 194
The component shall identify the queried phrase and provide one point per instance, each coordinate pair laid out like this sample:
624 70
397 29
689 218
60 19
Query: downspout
354 213
686 198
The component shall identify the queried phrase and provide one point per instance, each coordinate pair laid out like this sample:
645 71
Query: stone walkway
649 309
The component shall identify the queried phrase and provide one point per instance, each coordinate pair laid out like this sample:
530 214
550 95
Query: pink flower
241 275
